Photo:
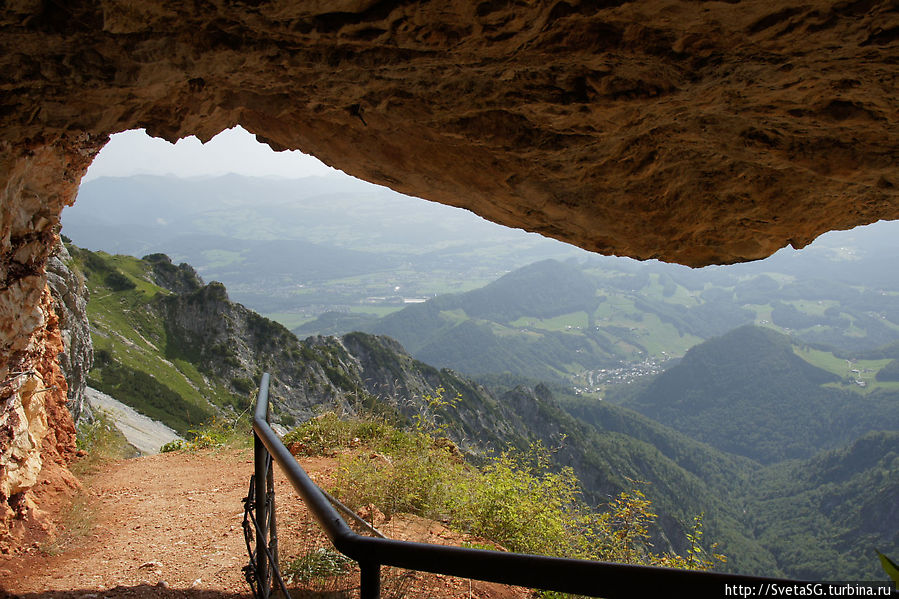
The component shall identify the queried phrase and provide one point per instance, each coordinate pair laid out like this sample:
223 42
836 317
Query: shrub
520 503
119 282
517 500
413 476
217 433
328 432
102 441
176 445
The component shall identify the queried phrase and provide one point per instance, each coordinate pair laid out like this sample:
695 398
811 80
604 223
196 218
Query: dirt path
168 521
170 525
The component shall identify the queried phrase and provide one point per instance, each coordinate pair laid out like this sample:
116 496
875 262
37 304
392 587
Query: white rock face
70 303
146 434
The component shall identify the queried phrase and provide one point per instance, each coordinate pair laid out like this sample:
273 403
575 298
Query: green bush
412 477
519 501
176 445
119 282
217 433
328 432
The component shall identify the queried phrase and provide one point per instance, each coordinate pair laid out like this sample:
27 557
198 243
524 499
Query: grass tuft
102 442
219 433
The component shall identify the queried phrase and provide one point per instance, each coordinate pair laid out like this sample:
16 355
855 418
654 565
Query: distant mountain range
296 247
180 351
589 322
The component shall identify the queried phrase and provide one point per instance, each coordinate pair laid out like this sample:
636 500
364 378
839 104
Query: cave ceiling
688 131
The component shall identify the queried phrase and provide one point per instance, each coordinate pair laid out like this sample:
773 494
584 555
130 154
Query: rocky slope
70 303
144 434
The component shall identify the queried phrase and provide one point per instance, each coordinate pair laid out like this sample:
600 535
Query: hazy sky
231 151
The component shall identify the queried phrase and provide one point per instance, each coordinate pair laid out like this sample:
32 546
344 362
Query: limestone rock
696 132
36 428
70 297
177 279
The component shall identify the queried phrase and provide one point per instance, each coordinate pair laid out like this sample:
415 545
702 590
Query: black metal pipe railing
564 575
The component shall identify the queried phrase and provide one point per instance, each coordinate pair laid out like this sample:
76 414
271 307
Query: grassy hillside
134 359
181 352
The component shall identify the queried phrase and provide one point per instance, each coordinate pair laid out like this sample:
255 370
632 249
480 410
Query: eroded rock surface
70 297
696 132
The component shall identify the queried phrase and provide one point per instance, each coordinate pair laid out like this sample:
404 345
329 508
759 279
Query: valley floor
170 525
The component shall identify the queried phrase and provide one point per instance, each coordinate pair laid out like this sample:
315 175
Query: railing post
272 523
260 468
369 580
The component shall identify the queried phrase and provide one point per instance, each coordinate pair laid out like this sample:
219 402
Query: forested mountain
480 331
829 513
599 321
748 393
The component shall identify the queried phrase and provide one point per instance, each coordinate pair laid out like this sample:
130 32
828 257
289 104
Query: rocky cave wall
691 131
70 295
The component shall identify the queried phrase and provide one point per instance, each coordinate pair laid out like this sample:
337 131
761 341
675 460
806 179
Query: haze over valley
330 255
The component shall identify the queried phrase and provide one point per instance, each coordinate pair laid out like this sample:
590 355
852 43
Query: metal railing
582 577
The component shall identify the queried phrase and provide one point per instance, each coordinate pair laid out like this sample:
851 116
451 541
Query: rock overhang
691 132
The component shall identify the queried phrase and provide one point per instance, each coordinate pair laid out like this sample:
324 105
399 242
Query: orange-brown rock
691 131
